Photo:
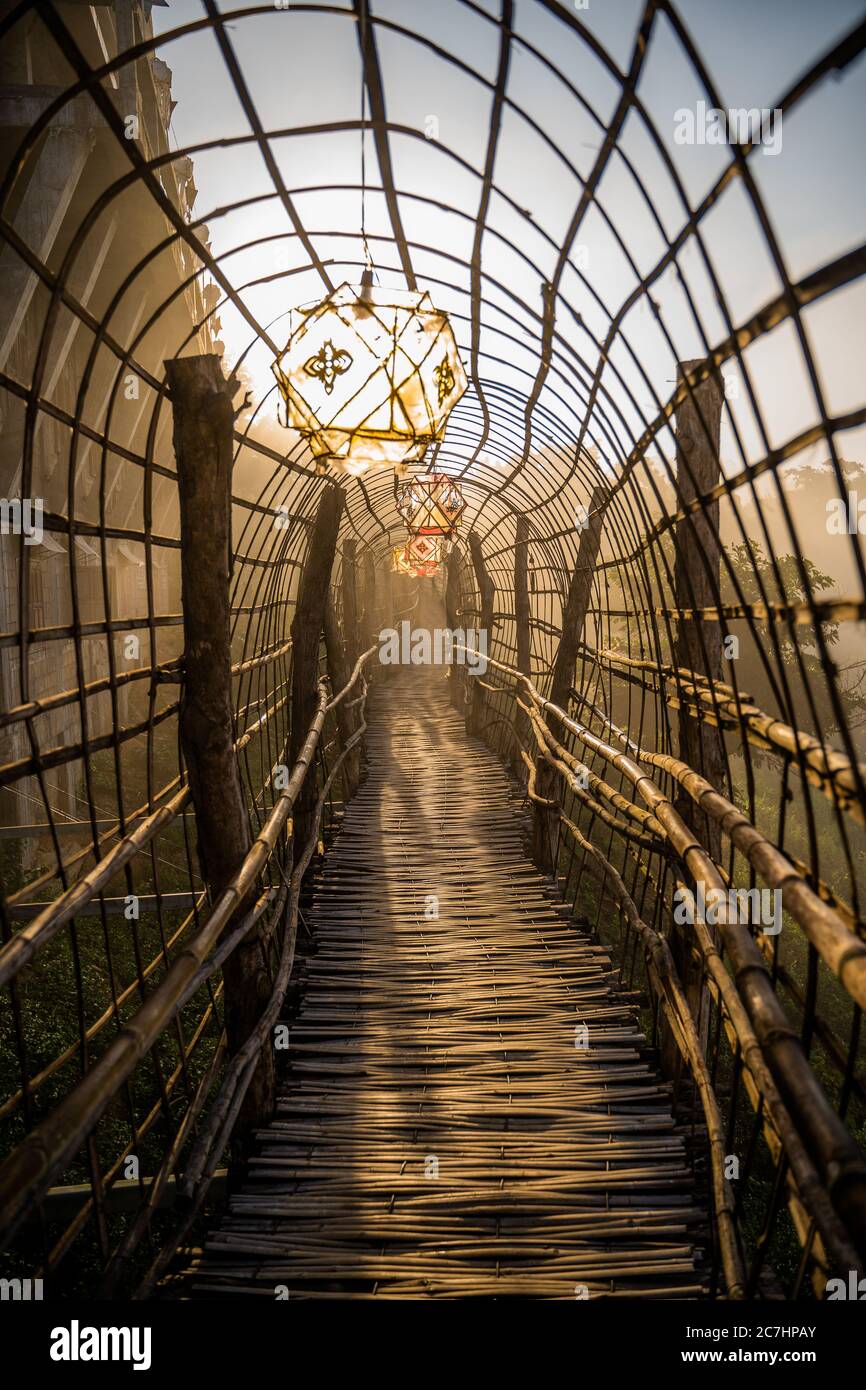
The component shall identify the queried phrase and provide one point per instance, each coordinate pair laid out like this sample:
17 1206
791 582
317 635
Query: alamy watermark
77 1343
710 125
846 516
438 646
21 1290
853 1288
22 516
758 907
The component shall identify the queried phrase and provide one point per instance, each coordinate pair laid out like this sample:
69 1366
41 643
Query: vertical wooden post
388 610
573 620
403 597
522 635
487 590
697 579
350 605
697 647
339 671
203 418
456 687
307 627
371 624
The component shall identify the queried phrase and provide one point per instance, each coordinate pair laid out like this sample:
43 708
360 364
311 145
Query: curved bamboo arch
555 411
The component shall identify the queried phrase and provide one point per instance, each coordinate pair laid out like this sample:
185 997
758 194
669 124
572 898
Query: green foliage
791 580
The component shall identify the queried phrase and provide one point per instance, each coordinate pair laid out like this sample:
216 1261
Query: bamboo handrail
824 767
809 1185
21 948
831 936
215 1132
45 1151
830 931
660 965
840 1161
566 764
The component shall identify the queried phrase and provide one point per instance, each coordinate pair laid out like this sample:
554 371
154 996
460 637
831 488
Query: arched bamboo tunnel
660 450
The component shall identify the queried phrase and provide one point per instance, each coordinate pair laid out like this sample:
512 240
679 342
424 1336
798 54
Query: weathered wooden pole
697 649
697 580
487 591
307 627
203 419
387 611
370 623
350 604
371 615
522 634
456 687
347 721
339 671
403 596
573 620
389 596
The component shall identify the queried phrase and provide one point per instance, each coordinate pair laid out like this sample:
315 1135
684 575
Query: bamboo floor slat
438 1132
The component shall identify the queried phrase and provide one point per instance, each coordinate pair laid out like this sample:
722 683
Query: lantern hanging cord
362 20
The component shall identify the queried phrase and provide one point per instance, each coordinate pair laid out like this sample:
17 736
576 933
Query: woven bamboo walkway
439 1133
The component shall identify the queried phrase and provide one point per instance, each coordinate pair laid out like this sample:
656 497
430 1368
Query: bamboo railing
818 1162
28 1172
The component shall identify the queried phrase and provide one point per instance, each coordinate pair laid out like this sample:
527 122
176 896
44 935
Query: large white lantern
370 376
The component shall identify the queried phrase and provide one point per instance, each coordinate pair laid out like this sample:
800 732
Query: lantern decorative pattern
431 505
370 376
420 556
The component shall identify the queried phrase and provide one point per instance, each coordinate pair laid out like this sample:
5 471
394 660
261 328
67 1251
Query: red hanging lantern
431 505
420 557
400 561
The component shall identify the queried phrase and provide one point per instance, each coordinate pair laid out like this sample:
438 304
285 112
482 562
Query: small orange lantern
420 557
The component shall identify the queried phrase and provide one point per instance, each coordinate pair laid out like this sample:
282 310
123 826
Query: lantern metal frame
431 504
370 376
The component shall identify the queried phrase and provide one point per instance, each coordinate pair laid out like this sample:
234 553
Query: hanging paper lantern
431 505
370 376
420 556
400 560
424 551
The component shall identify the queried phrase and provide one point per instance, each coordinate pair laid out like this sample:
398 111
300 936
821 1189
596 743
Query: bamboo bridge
327 977
443 1130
